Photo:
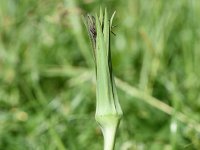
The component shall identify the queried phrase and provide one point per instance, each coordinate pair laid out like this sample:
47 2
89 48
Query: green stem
109 124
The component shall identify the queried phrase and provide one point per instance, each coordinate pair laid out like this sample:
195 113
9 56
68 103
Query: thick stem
108 124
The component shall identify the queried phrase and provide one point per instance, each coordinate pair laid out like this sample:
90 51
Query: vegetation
108 110
47 78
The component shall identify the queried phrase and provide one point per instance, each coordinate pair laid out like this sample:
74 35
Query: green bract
108 110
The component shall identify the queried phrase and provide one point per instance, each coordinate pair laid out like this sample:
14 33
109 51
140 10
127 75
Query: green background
47 79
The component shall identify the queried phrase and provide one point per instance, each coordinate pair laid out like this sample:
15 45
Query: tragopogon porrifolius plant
108 110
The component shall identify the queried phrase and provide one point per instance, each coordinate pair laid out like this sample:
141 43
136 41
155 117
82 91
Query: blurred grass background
47 81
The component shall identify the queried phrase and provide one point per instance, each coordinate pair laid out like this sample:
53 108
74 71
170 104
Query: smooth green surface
47 89
108 110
